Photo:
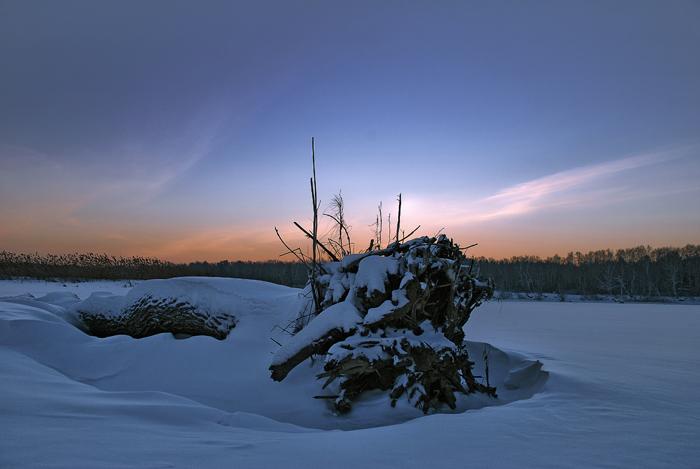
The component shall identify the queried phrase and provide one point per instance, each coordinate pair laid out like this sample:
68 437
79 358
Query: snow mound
230 375
183 306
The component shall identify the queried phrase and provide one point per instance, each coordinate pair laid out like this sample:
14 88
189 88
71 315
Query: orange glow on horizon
220 244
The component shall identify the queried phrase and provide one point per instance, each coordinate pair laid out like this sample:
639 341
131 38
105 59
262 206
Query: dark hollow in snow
149 316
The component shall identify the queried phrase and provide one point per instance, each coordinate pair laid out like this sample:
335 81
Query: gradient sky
182 129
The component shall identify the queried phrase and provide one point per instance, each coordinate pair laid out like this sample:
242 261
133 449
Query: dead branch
320 244
314 263
398 221
380 227
320 346
409 234
275 341
290 250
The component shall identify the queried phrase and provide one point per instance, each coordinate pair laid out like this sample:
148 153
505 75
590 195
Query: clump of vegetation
81 266
91 266
150 316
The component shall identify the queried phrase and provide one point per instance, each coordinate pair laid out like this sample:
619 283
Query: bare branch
275 341
290 250
409 234
398 221
320 244
314 202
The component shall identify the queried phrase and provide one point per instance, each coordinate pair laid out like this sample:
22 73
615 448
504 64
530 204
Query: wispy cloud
575 187
538 193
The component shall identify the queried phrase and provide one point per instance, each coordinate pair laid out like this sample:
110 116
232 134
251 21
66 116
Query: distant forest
641 272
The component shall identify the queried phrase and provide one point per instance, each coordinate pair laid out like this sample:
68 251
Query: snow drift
230 375
619 392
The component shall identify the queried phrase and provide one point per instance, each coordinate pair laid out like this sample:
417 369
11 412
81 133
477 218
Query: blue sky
182 129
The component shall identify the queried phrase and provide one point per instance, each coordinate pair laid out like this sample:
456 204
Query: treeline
637 272
104 267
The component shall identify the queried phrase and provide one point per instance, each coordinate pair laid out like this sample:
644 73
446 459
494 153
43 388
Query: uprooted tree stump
392 320
149 316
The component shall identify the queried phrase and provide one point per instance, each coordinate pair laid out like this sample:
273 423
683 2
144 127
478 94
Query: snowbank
182 306
619 393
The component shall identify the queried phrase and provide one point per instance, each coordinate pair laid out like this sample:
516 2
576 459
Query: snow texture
373 272
343 316
621 391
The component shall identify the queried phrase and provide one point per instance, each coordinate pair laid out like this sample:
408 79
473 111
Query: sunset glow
186 145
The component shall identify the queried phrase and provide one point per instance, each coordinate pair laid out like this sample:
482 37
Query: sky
182 129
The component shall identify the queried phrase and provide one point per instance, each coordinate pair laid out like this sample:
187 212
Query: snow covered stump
392 320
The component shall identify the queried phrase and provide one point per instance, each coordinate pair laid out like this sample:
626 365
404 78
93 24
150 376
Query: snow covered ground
573 298
622 390
81 289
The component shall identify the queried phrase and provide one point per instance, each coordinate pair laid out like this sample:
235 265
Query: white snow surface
373 272
343 316
621 392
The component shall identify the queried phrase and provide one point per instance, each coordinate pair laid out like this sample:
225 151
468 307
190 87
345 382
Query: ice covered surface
621 393
576 298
